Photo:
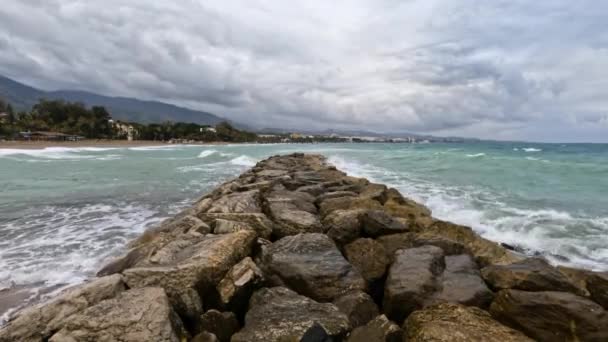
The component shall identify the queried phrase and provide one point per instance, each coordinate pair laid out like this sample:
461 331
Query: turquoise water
63 211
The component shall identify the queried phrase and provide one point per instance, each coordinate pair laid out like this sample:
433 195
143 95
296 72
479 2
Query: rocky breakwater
295 250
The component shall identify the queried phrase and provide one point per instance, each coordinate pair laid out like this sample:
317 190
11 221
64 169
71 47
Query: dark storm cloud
499 69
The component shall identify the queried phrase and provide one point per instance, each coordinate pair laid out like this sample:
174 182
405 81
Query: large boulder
239 283
297 200
291 220
279 314
368 256
238 202
343 226
377 222
221 324
412 280
380 329
485 252
551 316
257 222
334 194
200 266
395 242
456 323
462 283
358 306
39 322
312 265
597 284
135 315
532 274
374 191
347 203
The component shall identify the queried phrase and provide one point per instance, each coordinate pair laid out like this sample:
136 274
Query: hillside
23 97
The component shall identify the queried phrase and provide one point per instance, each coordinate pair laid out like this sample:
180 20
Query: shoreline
34 145
293 232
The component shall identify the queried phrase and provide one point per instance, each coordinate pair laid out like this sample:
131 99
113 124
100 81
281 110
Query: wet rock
279 314
456 323
411 280
577 277
399 206
239 283
394 242
313 266
222 324
484 251
292 221
462 283
343 226
205 336
38 322
377 222
347 203
135 315
199 266
380 329
551 316
358 306
369 258
257 222
533 274
238 202
597 284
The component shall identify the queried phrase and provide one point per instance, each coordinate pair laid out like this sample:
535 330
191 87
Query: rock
130 259
315 189
272 173
551 316
188 305
135 315
222 324
578 278
394 242
292 221
411 280
262 185
369 258
238 202
456 323
205 336
377 222
279 314
335 194
484 251
347 203
257 222
316 333
374 191
380 329
358 306
39 322
450 247
343 226
200 266
313 266
462 283
532 274
239 283
597 284
295 200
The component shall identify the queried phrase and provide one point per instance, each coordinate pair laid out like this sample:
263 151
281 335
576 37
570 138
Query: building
3 117
208 129
124 130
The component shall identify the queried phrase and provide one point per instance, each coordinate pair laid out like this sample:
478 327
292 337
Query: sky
501 69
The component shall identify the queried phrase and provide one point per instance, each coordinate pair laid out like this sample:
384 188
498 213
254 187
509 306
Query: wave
243 161
477 155
207 153
531 149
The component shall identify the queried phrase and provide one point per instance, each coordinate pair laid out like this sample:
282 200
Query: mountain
23 97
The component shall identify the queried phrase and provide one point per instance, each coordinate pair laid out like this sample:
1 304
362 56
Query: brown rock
279 314
532 274
347 203
205 336
312 265
551 316
394 242
456 323
358 306
222 324
335 194
295 200
343 226
377 222
597 284
374 191
257 222
135 315
238 202
380 329
450 247
412 280
239 283
39 322
462 283
292 221
578 277
368 256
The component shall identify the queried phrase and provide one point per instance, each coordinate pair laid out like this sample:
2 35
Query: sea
66 211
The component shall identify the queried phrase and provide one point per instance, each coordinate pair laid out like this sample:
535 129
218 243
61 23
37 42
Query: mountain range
23 97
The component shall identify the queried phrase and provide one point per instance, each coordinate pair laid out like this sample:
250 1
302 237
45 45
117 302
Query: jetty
296 250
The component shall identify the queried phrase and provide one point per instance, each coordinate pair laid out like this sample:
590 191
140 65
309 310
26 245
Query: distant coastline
29 145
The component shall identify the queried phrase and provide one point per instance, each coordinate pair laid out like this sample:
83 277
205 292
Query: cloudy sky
512 69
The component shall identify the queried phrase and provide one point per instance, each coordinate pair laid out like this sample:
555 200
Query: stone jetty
296 250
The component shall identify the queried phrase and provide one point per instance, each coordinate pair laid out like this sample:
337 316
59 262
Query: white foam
243 161
477 155
207 153
532 149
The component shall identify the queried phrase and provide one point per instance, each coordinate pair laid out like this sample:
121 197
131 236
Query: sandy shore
88 143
